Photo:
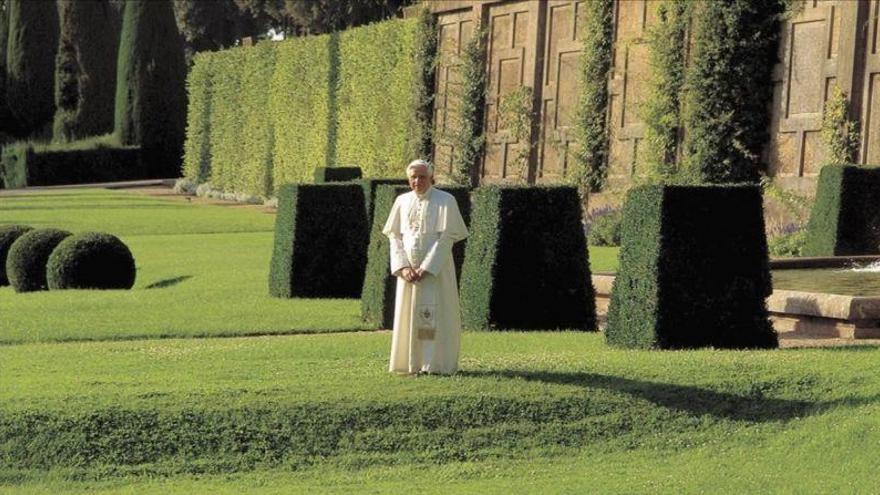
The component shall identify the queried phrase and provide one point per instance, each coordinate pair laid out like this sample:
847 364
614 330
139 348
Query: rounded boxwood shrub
8 235
91 260
26 263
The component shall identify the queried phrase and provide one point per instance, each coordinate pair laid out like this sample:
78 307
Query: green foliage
845 219
605 229
8 235
254 172
466 135
30 64
377 104
424 67
227 120
6 123
590 168
272 113
299 104
662 107
515 115
197 145
789 244
730 88
526 264
85 73
840 134
150 85
27 257
321 238
90 260
693 270
336 174
24 164
378 294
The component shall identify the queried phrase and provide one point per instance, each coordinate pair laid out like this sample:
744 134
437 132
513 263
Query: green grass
202 270
603 258
530 412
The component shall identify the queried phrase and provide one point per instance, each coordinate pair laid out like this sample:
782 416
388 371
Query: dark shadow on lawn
168 282
688 399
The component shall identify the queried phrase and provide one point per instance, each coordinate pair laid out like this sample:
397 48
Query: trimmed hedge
321 237
370 188
26 263
284 108
378 294
300 107
526 265
845 219
8 235
91 260
336 174
22 166
693 270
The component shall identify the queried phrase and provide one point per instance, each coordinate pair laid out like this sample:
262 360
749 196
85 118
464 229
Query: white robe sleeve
452 229
399 259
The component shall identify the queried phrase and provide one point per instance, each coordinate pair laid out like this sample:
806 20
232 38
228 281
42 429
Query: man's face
419 178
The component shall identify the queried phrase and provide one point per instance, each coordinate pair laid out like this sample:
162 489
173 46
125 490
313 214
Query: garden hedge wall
526 265
377 296
270 113
845 219
21 165
321 237
337 174
371 186
693 270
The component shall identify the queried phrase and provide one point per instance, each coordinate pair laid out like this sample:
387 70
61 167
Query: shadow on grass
168 282
691 400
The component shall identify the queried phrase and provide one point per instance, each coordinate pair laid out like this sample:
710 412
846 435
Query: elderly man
423 225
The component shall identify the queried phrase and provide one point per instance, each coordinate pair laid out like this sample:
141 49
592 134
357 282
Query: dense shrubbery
91 260
526 265
8 235
846 215
340 98
377 296
336 174
604 227
23 164
321 237
370 188
693 270
26 263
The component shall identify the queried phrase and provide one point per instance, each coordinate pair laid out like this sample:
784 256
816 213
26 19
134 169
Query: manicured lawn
546 412
202 270
603 258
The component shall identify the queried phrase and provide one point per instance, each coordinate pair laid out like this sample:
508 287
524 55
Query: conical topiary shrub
26 263
91 260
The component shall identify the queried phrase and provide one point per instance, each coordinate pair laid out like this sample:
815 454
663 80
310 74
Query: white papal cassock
427 317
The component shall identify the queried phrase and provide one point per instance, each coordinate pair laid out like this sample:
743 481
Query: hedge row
693 270
22 166
269 114
845 219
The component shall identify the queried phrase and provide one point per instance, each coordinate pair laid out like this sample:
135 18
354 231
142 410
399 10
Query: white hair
421 163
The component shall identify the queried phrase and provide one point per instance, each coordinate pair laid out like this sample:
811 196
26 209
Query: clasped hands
413 275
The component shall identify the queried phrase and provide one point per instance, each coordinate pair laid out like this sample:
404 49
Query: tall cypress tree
30 64
5 117
150 85
85 77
